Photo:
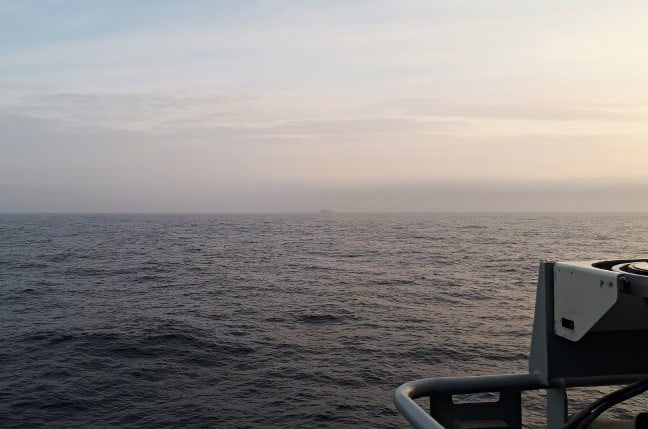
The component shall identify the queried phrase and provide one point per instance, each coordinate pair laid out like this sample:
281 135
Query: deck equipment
590 329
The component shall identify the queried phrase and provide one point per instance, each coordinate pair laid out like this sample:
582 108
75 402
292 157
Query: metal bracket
582 296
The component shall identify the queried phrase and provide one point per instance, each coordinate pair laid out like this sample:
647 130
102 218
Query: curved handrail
406 393
432 387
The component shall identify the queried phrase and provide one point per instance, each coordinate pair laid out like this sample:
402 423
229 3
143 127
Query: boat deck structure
590 329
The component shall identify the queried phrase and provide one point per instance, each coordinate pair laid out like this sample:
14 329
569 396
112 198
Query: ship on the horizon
325 211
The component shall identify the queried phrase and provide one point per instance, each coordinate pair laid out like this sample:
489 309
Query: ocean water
233 321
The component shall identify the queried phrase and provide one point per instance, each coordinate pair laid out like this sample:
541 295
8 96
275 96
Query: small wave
31 265
90 272
59 257
319 319
148 278
58 339
319 268
392 282
166 345
326 417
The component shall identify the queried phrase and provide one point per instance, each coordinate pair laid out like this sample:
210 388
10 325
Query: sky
293 106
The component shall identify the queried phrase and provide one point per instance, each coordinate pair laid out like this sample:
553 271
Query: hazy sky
238 105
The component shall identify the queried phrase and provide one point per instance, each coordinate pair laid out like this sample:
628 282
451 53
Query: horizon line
328 213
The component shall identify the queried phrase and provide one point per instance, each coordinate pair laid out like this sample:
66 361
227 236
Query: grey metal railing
445 410
506 410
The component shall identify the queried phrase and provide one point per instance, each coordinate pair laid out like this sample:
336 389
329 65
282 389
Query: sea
271 320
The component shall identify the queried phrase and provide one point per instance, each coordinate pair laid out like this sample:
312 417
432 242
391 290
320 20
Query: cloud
244 116
592 195
132 111
208 116
368 47
525 110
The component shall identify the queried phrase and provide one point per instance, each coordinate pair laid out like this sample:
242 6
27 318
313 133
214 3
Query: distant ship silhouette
325 211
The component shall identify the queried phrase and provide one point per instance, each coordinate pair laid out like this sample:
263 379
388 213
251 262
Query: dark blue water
269 320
